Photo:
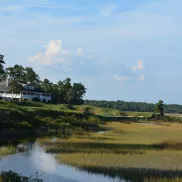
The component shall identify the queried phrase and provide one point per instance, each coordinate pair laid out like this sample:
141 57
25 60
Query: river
35 159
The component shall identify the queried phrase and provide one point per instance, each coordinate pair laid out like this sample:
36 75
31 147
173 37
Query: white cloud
54 47
139 66
58 58
83 56
138 69
54 54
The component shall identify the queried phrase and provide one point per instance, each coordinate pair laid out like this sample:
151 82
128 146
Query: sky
127 50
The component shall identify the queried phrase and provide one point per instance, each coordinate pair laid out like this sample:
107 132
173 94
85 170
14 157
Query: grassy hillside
79 109
24 119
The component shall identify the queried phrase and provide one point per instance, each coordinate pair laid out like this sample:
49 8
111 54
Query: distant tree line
135 106
63 91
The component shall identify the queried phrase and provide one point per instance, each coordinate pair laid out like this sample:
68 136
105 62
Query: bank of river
35 159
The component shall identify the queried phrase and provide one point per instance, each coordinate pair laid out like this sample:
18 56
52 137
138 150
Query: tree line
135 106
63 91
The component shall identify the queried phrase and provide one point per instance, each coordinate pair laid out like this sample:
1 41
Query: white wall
26 96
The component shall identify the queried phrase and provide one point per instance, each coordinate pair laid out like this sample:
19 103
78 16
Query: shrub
94 120
25 124
70 107
36 99
11 176
87 112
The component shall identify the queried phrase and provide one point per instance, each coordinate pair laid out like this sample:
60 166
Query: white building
29 92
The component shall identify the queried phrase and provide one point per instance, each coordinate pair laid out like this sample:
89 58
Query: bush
36 99
93 120
70 107
11 176
87 112
25 124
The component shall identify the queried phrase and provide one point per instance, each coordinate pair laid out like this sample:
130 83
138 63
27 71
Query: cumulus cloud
136 72
54 47
54 54
138 68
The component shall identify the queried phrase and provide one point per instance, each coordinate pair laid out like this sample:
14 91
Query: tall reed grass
137 152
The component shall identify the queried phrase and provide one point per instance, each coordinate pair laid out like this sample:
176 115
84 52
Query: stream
35 159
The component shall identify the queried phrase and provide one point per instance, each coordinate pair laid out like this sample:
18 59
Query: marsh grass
163 180
6 150
137 152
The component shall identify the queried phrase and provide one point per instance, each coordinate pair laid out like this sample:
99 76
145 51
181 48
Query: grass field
173 114
138 152
73 108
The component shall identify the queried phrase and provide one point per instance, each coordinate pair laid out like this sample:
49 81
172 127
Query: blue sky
119 49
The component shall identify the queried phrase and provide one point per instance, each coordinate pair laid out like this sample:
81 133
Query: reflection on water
36 160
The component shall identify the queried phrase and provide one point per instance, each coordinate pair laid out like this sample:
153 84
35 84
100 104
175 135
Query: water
35 159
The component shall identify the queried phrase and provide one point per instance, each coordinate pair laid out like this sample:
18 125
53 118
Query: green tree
80 89
65 86
30 75
1 64
16 73
70 96
159 108
80 92
67 83
46 85
61 90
